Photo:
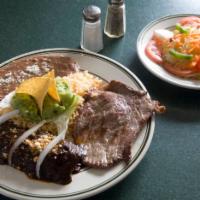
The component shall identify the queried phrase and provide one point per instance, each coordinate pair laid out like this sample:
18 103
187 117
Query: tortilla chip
36 87
52 91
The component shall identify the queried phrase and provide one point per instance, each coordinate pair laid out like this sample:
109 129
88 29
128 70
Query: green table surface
171 167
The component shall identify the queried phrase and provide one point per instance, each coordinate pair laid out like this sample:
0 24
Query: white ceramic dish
144 37
89 182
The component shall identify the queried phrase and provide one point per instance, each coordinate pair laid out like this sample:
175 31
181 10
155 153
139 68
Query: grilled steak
58 165
109 122
15 72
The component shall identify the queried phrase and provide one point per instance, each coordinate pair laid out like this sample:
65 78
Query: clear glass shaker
91 34
115 23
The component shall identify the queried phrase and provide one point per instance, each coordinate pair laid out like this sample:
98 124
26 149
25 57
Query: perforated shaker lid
118 2
91 13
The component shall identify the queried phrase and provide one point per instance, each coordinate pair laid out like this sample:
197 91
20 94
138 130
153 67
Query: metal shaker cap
117 2
91 13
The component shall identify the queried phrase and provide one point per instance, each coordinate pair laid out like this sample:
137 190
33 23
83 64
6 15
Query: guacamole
51 108
27 107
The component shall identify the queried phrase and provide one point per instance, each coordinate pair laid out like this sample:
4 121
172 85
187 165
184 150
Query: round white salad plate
17 185
144 37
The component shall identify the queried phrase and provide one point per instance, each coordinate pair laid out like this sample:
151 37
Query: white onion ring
6 101
62 125
8 116
20 140
47 149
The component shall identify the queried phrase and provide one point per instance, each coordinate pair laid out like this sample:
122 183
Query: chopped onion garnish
21 139
62 125
8 116
6 101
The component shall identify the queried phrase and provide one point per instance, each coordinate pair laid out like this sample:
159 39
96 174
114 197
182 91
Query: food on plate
53 122
34 102
37 65
178 50
109 121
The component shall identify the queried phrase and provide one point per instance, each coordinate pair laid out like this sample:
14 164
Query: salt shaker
115 23
91 34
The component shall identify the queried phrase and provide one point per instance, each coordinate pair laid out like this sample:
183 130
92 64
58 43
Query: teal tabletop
171 167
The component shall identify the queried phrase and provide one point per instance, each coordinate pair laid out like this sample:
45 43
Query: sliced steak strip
15 72
109 122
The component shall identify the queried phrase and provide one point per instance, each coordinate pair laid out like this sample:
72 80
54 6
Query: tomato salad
178 51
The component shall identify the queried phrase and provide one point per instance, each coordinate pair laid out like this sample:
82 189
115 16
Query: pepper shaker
115 23
91 34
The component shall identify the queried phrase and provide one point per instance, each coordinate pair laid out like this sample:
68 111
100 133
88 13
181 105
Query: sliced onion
6 101
8 116
46 150
20 140
62 125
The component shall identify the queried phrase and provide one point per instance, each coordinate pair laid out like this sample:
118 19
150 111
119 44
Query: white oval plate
89 182
145 36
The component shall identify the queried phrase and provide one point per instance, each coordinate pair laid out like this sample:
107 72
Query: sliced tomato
153 52
190 21
178 72
198 65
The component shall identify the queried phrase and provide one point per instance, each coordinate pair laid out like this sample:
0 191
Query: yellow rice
81 82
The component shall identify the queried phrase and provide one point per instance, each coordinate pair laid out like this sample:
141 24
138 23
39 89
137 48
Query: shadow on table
111 45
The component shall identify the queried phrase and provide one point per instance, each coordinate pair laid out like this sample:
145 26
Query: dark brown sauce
12 74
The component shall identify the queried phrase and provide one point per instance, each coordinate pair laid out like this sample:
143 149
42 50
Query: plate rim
129 168
140 53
